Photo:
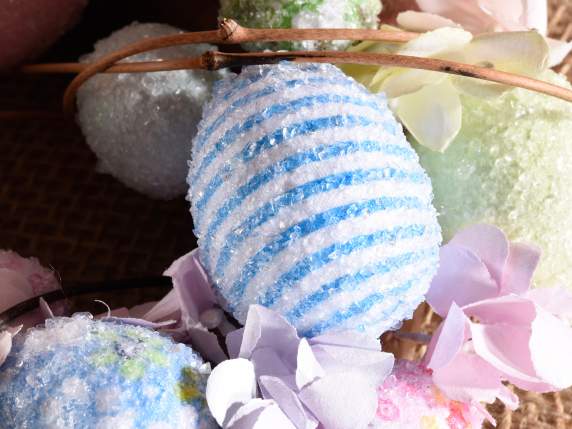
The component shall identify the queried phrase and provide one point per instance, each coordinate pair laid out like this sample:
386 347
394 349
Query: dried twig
231 32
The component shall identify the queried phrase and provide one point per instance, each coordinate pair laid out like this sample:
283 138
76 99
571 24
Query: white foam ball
308 199
140 125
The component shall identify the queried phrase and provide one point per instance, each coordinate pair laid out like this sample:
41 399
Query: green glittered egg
511 166
302 14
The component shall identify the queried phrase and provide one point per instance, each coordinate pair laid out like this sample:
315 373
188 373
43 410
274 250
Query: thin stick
218 60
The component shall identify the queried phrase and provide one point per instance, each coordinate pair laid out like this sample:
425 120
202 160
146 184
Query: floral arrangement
497 327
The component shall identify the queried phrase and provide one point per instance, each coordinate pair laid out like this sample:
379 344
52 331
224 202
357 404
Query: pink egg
408 399
28 27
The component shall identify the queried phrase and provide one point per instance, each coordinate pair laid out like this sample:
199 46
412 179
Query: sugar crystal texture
302 14
408 399
308 199
141 125
510 166
80 373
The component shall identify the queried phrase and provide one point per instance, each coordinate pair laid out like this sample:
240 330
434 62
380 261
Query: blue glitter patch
318 154
325 256
312 224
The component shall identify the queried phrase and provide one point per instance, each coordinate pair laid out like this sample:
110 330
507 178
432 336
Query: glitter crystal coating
140 125
408 399
510 167
308 199
77 372
302 14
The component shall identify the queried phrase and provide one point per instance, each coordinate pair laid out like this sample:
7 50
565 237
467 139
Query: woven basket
93 229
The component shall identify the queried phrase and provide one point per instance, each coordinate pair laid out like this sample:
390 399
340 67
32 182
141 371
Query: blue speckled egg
307 199
81 373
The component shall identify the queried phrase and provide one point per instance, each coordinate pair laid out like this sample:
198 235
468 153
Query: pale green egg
511 166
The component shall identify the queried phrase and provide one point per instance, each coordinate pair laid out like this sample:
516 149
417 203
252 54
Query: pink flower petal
468 13
341 401
489 243
522 261
551 348
470 379
555 300
166 308
507 309
448 340
275 389
462 278
15 289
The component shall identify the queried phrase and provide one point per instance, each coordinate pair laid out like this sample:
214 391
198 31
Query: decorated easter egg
78 372
510 167
302 14
408 399
307 199
140 125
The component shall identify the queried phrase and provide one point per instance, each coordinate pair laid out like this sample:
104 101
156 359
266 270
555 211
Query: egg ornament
302 14
79 372
308 199
408 399
509 166
140 125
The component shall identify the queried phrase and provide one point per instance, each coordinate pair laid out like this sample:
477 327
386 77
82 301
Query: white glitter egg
307 199
140 125
81 373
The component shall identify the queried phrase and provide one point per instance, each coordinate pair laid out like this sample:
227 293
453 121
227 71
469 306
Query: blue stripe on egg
328 254
288 199
243 102
313 224
318 154
277 109
308 199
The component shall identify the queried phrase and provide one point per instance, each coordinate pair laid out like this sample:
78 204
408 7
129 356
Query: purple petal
490 245
349 339
207 344
192 285
334 359
276 389
448 339
233 342
522 261
260 414
268 361
341 401
267 329
462 278
167 308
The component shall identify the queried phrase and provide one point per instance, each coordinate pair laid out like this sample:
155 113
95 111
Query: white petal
522 52
342 401
232 382
433 115
436 41
403 81
551 347
559 50
308 368
5 345
423 21
259 414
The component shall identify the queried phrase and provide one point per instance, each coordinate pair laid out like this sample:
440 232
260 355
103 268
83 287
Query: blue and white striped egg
307 199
